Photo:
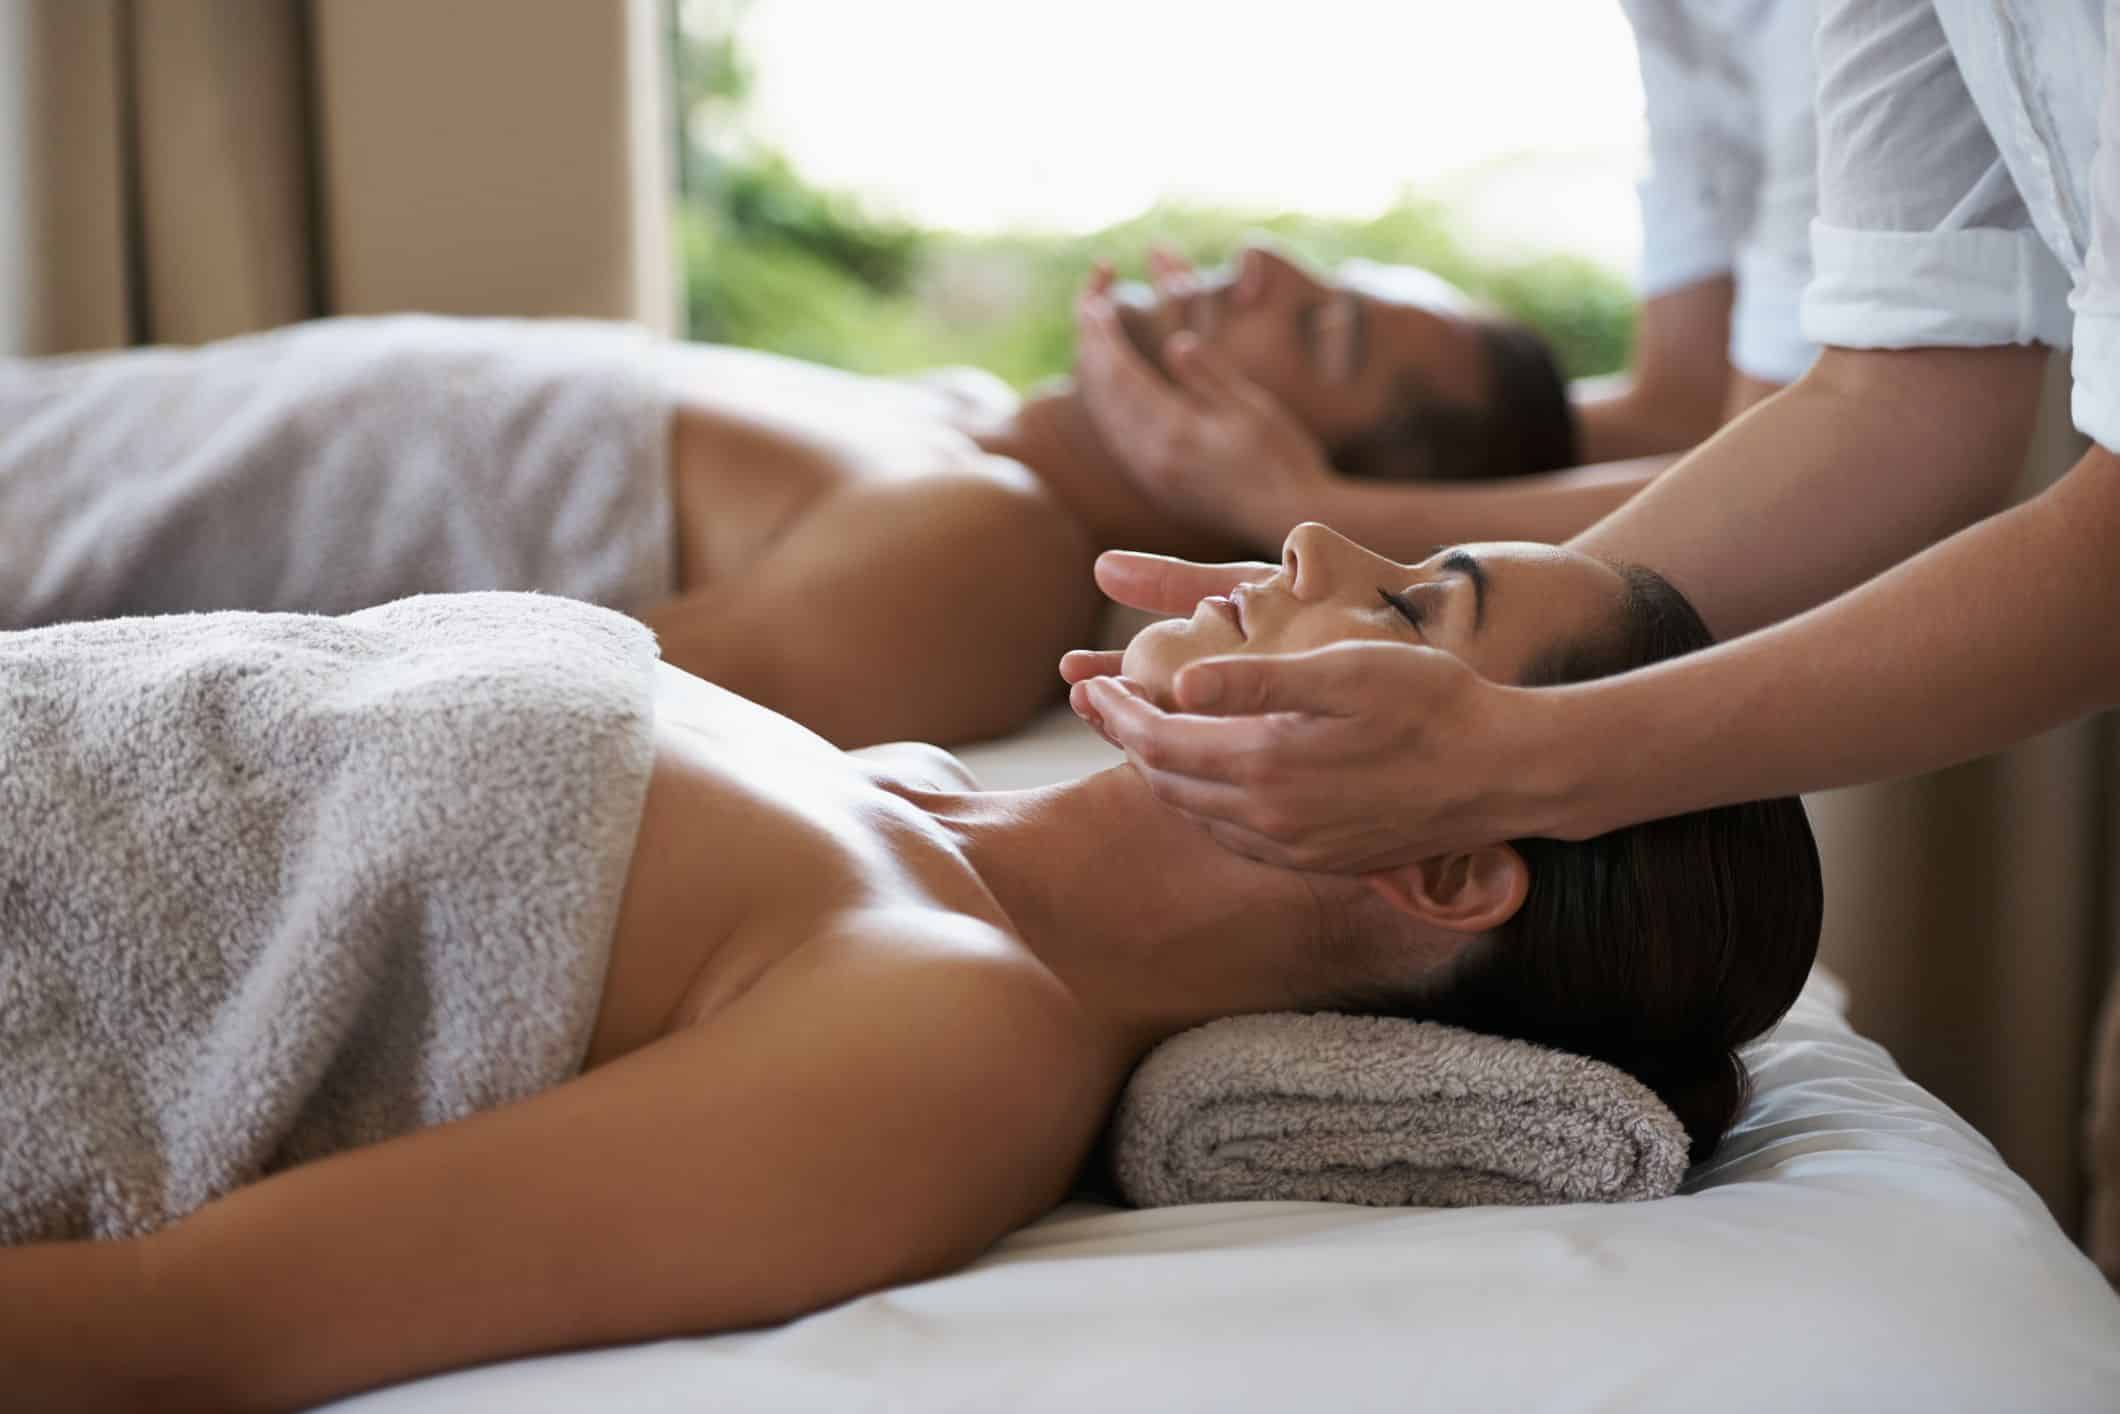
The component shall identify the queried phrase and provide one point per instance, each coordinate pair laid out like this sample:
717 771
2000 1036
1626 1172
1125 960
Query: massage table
1854 1245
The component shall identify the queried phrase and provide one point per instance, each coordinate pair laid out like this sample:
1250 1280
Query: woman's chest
755 837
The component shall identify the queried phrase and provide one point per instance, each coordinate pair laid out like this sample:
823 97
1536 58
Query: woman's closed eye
1410 611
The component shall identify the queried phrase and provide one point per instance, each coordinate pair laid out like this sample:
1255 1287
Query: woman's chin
1156 654
1159 651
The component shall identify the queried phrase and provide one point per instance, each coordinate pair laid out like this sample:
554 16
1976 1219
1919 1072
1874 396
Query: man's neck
1151 924
1048 427
1051 432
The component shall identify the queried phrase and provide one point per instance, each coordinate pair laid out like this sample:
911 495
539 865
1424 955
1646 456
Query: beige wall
64 282
488 156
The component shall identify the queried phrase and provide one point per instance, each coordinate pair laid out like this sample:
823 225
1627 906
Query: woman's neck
1051 432
1153 926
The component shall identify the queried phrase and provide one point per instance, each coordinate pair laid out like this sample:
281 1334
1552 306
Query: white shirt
1969 186
1732 180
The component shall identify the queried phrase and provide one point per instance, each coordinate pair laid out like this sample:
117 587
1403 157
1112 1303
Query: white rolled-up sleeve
2096 398
1921 237
1773 265
1693 195
1732 178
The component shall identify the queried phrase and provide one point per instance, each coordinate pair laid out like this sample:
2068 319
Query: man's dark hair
1660 947
1526 424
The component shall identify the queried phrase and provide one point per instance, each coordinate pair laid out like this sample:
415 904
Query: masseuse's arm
1869 457
841 1127
2002 630
1366 758
1216 450
1680 389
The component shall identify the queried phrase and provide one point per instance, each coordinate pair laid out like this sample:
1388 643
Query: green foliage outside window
772 262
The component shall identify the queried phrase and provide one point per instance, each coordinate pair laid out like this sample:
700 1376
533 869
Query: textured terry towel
335 466
1388 1112
273 886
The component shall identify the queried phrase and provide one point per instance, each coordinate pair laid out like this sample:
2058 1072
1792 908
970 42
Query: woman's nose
1317 559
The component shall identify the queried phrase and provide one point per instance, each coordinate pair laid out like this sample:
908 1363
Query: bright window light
984 115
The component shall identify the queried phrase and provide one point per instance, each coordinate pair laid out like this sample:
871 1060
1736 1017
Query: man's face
1337 354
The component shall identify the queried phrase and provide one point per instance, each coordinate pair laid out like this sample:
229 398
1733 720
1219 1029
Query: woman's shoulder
920 948
952 1015
918 764
968 986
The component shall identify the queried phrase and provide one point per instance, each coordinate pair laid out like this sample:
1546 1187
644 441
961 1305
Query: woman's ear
1472 891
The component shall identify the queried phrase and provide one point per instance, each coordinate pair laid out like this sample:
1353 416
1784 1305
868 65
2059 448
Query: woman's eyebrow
1464 564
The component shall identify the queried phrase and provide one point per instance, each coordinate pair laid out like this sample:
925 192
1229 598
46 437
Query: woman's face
1500 607
1337 354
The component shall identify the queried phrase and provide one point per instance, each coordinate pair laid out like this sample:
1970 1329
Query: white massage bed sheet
1855 1246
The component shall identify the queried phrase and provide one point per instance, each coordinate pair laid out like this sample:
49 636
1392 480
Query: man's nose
1260 273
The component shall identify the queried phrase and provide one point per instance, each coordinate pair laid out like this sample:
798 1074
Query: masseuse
1887 614
1726 209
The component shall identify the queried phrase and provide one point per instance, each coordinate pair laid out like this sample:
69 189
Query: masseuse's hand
1208 445
1159 584
1348 758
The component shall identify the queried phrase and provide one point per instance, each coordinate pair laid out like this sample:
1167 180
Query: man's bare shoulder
971 392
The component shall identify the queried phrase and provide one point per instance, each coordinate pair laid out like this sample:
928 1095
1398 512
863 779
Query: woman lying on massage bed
796 534
861 1020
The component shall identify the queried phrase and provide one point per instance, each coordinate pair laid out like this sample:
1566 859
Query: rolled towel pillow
1386 1112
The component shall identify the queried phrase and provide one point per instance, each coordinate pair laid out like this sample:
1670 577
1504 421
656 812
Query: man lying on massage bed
850 985
793 533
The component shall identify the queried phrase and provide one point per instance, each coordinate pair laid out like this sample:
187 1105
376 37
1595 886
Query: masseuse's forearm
2006 628
1623 416
1406 520
1865 460
1676 390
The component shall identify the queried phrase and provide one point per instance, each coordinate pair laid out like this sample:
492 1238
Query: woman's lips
1228 609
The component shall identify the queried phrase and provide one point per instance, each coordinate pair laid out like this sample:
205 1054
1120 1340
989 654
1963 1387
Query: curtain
175 171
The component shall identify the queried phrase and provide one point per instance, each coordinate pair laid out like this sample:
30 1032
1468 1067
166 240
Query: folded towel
335 466
273 886
1387 1112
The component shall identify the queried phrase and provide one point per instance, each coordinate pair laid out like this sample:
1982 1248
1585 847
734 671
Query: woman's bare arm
845 1126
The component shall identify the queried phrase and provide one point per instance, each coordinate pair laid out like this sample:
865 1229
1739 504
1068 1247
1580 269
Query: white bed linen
1855 1246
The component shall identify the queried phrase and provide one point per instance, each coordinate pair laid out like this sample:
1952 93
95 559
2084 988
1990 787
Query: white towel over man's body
328 467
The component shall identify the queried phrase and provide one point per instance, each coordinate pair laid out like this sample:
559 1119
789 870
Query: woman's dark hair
1526 425
1660 947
